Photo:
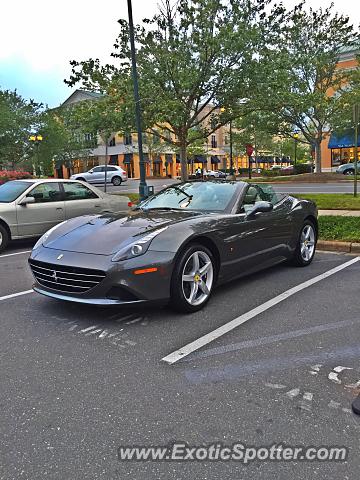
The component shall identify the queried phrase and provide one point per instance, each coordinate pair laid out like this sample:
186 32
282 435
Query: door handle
97 206
59 208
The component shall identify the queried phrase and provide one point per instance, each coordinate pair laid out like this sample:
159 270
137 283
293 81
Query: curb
333 246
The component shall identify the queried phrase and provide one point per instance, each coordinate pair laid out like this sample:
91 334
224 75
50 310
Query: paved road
78 382
132 186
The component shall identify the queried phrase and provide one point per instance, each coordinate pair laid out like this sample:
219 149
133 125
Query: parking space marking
13 295
17 253
219 332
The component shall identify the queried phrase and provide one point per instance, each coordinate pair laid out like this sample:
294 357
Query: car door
80 200
34 219
255 242
98 175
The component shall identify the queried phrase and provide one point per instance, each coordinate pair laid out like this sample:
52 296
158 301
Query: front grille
64 278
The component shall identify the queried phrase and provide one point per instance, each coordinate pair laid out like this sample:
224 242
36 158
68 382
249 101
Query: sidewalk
340 213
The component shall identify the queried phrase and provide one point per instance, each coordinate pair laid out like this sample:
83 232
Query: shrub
271 173
7 175
302 168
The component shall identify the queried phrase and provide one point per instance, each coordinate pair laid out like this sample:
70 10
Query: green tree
305 87
18 118
62 142
193 58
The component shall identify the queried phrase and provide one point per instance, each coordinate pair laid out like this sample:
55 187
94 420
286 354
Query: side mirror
260 207
90 171
26 200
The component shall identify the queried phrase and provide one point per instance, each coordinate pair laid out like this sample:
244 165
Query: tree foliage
18 118
194 57
306 88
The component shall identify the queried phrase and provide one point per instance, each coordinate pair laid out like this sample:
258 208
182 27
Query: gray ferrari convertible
174 246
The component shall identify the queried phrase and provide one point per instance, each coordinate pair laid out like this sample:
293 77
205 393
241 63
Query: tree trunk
318 156
106 165
183 161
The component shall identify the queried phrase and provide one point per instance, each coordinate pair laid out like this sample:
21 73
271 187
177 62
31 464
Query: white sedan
29 208
214 174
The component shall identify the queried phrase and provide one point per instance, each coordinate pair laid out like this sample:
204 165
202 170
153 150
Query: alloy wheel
307 243
116 181
197 278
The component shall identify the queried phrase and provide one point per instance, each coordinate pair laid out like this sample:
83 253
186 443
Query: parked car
115 175
28 208
287 170
348 169
175 246
215 174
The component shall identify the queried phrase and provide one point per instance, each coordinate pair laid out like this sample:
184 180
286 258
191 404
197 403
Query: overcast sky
39 37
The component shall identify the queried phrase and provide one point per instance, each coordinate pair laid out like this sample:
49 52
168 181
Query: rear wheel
305 249
116 181
4 238
350 171
193 279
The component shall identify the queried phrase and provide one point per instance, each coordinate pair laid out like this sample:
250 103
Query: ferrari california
175 246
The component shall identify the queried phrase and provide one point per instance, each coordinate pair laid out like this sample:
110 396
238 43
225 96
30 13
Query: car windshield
10 191
205 196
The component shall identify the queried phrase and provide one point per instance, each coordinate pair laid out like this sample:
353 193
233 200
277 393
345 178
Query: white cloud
47 34
42 36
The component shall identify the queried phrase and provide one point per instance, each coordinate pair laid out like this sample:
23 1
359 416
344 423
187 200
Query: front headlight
46 235
137 247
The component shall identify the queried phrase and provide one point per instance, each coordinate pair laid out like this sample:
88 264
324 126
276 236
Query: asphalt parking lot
79 382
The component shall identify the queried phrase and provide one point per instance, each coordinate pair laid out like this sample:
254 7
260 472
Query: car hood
106 234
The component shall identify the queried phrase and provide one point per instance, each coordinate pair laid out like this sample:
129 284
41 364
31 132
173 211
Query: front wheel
305 249
116 181
4 238
193 279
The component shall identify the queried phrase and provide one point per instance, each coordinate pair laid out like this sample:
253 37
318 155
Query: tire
116 181
304 252
350 171
4 238
191 295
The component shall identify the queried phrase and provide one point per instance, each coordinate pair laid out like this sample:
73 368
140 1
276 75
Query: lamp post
249 151
356 114
143 190
36 139
296 136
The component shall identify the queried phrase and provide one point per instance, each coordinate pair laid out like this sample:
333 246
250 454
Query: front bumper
120 285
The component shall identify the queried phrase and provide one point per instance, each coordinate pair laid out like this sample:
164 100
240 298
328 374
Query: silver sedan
29 208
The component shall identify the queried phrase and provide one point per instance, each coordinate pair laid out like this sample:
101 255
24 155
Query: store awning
215 159
168 158
200 159
157 160
146 157
343 141
128 157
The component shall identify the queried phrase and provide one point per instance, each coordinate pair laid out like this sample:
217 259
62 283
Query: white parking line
17 253
13 295
219 332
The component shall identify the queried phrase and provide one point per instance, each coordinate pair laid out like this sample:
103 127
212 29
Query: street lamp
295 136
36 139
143 189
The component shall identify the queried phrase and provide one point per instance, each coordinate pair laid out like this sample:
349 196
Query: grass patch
333 201
346 229
134 197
